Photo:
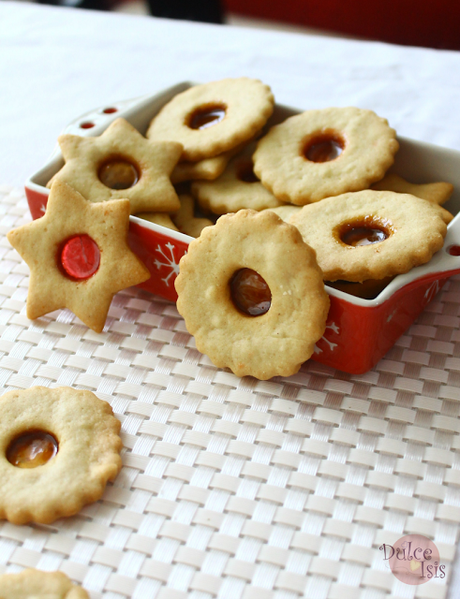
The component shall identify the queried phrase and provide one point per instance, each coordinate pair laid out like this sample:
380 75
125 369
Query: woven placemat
237 488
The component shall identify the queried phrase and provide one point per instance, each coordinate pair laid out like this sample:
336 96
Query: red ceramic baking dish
359 331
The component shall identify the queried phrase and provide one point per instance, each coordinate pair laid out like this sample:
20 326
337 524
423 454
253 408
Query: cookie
121 163
235 189
186 220
322 153
158 218
58 449
36 584
78 255
371 234
251 293
214 117
207 169
438 192
285 211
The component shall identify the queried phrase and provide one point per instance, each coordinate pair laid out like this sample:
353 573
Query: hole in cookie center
365 231
250 293
206 116
118 173
32 449
246 172
324 147
80 257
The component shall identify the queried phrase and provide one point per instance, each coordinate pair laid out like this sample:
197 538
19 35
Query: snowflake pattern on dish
170 262
335 329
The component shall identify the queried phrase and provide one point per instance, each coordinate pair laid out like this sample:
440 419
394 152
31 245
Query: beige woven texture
236 488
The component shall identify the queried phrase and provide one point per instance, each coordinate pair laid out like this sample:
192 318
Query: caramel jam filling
324 147
32 449
246 173
365 231
250 293
80 257
118 173
206 117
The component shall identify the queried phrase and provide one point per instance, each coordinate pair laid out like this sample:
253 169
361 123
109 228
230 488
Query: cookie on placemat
371 234
252 295
236 188
78 255
438 192
121 163
322 153
58 449
37 584
214 117
186 220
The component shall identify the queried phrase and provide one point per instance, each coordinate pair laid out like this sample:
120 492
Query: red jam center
363 234
32 449
250 293
80 257
324 148
246 173
206 117
118 173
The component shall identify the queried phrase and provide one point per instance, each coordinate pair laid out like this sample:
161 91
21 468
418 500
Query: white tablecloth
57 63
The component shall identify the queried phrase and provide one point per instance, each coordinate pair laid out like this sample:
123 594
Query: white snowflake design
170 261
335 329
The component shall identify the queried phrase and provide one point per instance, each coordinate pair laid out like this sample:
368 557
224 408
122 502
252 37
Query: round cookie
285 211
75 427
186 220
236 188
36 584
275 342
438 192
158 218
207 169
371 234
214 117
322 153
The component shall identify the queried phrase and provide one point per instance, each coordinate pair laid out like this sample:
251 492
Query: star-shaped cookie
78 256
121 163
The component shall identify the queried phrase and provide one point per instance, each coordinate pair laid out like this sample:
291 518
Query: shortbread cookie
121 163
438 192
158 218
214 117
251 293
78 255
186 220
36 584
58 449
236 188
286 211
322 153
207 169
371 234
